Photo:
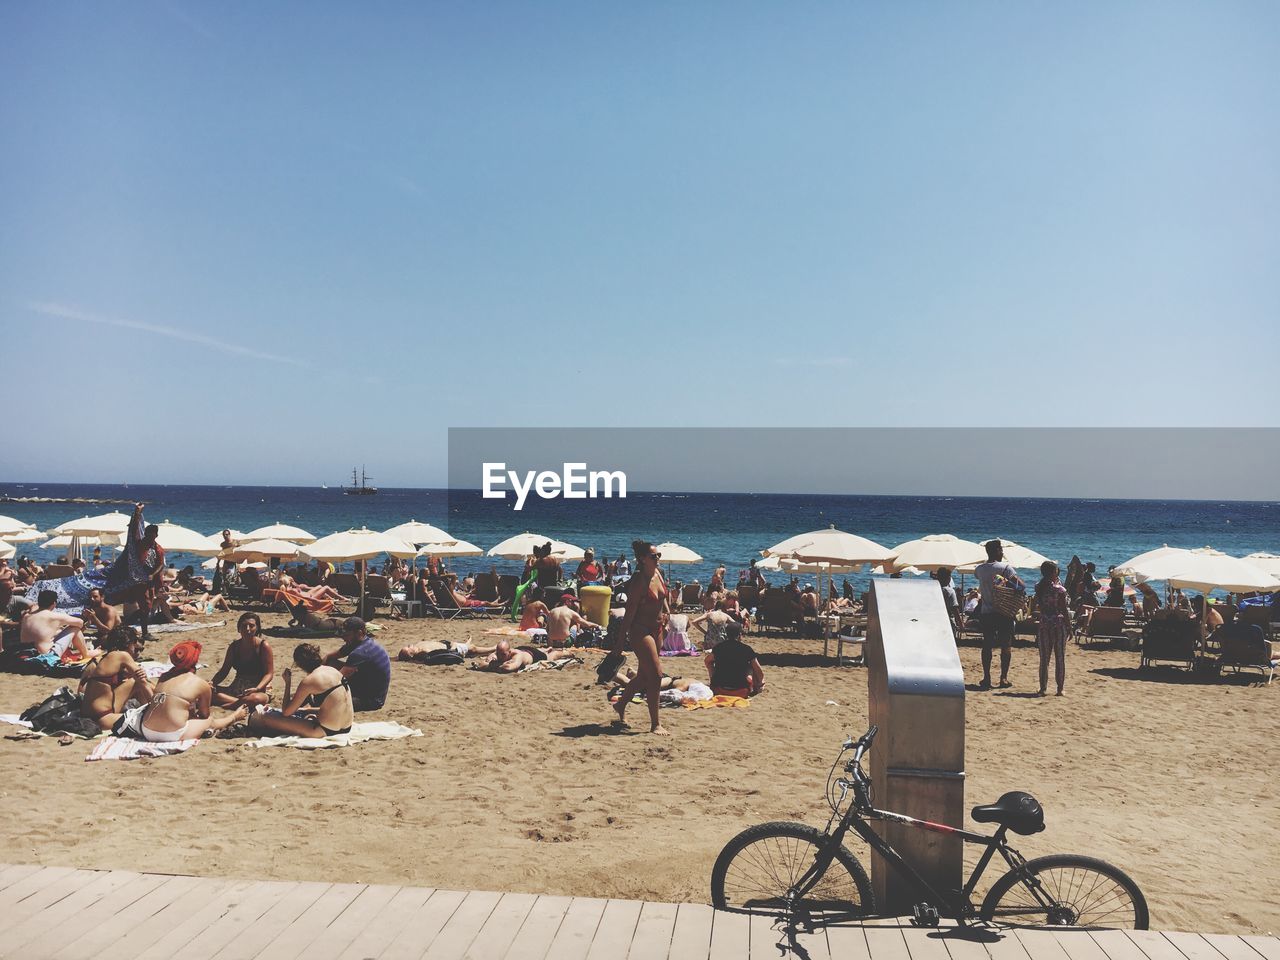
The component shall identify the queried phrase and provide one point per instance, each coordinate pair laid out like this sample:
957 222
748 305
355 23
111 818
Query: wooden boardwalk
67 914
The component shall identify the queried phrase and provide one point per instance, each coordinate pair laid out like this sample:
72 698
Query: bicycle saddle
1020 812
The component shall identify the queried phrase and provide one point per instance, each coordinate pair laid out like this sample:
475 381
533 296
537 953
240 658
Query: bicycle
802 872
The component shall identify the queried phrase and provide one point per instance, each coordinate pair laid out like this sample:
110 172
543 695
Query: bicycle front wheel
1067 891
757 869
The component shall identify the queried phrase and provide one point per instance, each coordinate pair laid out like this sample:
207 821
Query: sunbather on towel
250 656
49 631
320 707
179 709
114 681
423 649
505 658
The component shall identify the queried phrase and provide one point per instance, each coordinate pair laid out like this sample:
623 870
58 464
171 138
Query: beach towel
126 748
740 703
73 592
133 568
695 693
183 627
359 733
551 664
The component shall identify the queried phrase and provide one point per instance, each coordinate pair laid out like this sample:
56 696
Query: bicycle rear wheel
1082 892
758 867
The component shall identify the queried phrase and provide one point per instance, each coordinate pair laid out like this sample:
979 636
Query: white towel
126 748
360 732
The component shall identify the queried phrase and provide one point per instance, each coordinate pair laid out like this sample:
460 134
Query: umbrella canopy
1204 569
1134 566
1015 555
788 565
769 564
9 525
30 535
454 548
674 553
415 531
261 550
1268 562
830 546
180 539
280 531
937 551
64 542
362 544
6 551
115 523
236 536
521 546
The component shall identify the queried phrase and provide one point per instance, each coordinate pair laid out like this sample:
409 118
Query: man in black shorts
996 627
733 667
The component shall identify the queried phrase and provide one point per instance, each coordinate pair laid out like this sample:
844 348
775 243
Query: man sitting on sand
364 663
733 667
51 632
563 619
100 616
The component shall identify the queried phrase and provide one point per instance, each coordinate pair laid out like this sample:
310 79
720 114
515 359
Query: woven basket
1008 601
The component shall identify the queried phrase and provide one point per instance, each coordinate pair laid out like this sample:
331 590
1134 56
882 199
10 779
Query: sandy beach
519 783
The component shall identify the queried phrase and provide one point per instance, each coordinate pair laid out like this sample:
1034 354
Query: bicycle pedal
924 915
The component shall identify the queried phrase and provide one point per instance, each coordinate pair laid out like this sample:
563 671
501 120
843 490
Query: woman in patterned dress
1055 625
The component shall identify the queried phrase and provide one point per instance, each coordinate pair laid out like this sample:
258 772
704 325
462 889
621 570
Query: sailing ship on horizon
359 485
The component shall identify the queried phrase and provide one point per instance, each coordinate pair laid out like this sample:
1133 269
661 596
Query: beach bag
441 658
1006 600
59 713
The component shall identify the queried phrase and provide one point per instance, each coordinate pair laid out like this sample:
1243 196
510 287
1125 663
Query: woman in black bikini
320 707
644 622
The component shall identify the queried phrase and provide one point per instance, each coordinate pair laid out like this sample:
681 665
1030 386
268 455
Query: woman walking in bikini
645 620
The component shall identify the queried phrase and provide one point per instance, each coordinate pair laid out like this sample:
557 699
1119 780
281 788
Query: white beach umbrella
64 542
181 539
521 546
674 553
453 548
6 551
1137 566
281 531
261 550
830 546
116 523
362 544
769 564
936 551
1016 555
415 531
1268 562
1206 570
9 525
30 535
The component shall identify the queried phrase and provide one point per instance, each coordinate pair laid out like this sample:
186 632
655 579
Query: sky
260 243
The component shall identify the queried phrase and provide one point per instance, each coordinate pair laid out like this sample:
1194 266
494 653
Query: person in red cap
180 707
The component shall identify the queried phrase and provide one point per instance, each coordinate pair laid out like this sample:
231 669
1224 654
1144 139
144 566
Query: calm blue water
728 528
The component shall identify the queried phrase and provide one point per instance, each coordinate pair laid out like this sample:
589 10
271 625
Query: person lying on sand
626 675
505 658
50 631
250 656
113 681
179 708
320 707
307 619
421 651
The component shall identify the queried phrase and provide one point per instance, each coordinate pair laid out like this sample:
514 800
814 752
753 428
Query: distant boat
361 490
324 486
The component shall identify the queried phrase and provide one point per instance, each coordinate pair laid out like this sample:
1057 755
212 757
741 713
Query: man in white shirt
996 627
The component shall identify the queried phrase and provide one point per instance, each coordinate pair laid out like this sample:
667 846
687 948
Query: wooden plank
1154 945
462 926
766 933
652 938
12 873
367 905
499 931
886 943
31 883
964 943
1231 947
1193 946
533 940
578 929
275 919
40 900
183 920
412 942
1079 945
615 931
379 931
243 912
66 919
730 936
1117 945
124 922
848 942
291 942
925 944
1005 946
691 935
1041 945
1269 947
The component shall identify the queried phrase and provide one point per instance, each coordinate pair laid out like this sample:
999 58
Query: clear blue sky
259 242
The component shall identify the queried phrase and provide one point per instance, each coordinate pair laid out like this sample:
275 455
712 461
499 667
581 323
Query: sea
724 528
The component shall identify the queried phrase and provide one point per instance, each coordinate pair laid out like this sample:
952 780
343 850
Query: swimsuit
315 699
538 654
161 736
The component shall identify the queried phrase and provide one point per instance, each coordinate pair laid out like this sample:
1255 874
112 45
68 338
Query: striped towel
126 748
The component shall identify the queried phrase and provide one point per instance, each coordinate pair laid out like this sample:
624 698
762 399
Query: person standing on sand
136 574
996 627
645 621
1055 625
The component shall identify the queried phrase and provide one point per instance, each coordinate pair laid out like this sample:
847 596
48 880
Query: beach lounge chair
1244 645
1107 623
347 584
507 584
1170 639
774 612
486 587
446 608
377 593
691 597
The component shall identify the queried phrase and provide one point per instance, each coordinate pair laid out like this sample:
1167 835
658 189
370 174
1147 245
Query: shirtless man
48 630
6 584
562 620
508 659
99 615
